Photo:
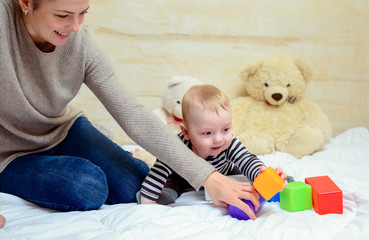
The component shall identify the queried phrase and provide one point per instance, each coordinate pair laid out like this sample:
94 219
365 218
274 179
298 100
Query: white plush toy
171 110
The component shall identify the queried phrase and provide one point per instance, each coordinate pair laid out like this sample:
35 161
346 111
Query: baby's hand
147 201
280 172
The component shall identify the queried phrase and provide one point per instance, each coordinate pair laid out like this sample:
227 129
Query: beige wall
212 40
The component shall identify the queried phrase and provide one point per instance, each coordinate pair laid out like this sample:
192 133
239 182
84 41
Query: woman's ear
184 131
25 5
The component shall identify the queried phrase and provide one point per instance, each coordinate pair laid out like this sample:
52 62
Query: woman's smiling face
53 20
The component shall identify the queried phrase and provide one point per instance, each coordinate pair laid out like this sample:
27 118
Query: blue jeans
83 172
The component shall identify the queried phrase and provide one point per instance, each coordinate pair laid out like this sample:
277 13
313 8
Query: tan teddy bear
275 116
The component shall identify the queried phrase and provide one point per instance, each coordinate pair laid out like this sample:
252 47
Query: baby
207 131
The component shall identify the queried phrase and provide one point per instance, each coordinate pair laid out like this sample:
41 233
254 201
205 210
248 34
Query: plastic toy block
276 198
241 215
327 196
296 197
268 183
235 212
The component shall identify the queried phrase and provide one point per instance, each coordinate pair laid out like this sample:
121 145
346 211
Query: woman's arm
140 124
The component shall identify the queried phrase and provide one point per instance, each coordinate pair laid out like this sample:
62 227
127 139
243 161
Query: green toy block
296 197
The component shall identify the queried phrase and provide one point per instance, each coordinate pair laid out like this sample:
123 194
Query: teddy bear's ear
174 81
304 69
250 71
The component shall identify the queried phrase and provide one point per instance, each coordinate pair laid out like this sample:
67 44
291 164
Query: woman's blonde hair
206 96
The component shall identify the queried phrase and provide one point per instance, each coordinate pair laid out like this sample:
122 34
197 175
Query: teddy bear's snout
277 96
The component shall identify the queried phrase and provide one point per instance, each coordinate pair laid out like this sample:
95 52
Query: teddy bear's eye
179 102
266 84
288 85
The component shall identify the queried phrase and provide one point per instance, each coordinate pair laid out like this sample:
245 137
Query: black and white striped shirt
235 155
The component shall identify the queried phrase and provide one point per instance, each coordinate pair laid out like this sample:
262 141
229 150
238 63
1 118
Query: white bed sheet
345 160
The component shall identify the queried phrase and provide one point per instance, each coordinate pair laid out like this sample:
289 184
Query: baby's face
209 132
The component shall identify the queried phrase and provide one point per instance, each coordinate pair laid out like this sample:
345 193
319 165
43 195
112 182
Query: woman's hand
224 191
2 221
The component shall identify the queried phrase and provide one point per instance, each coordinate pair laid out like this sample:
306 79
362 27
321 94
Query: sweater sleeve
140 124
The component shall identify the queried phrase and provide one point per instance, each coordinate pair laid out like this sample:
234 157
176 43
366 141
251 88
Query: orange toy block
327 196
268 183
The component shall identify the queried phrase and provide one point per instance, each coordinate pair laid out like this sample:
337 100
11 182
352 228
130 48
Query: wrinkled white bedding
345 160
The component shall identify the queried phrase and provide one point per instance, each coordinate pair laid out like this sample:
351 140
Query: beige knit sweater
36 89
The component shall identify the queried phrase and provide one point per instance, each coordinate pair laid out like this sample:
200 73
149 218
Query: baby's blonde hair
207 97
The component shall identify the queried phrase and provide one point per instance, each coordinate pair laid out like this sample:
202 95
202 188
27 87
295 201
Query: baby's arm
154 182
247 162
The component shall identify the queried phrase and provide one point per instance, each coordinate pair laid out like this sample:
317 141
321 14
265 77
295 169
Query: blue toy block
275 198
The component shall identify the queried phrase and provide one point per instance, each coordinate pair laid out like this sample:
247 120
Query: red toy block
327 196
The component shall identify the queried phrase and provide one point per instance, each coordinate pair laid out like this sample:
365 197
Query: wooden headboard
150 41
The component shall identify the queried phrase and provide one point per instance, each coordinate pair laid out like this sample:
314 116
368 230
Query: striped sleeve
246 161
155 181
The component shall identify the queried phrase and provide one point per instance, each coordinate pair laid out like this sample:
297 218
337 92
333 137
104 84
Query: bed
345 159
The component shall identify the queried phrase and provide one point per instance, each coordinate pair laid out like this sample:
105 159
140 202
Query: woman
50 154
